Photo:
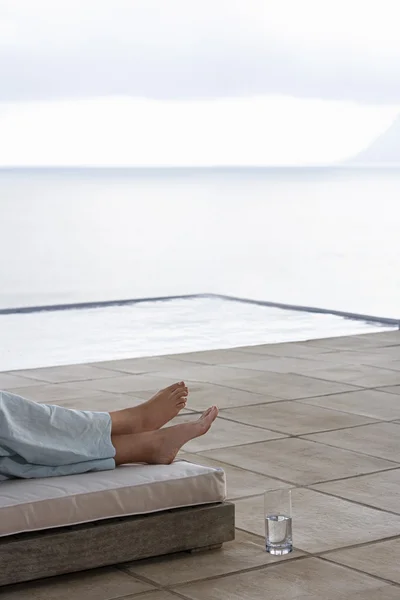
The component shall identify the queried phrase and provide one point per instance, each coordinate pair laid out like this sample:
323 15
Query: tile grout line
349 382
291 483
134 595
346 499
358 475
250 471
354 387
262 394
66 382
158 374
157 586
307 373
298 435
314 379
174 586
328 365
277 401
322 554
319 554
302 437
177 594
373 575
304 401
324 443
383 388
310 487
356 546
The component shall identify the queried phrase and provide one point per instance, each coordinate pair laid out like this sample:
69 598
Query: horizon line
343 165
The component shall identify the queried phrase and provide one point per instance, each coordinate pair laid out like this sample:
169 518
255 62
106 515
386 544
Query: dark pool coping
108 303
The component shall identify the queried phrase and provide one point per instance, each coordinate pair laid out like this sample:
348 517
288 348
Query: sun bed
65 524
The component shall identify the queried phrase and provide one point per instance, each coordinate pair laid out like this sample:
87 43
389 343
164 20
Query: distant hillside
384 150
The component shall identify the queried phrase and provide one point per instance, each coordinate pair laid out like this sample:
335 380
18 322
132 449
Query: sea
323 237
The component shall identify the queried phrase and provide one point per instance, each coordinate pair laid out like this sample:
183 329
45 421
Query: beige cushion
36 504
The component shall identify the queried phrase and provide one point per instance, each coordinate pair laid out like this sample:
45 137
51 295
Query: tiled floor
320 416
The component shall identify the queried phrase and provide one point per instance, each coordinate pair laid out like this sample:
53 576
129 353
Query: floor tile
225 433
287 386
247 358
67 373
97 584
159 595
393 365
180 370
105 401
380 439
391 389
375 404
381 490
150 364
385 358
299 461
203 395
285 364
363 340
364 376
378 357
389 352
214 374
218 374
322 522
60 393
239 481
289 349
380 559
214 357
245 552
129 383
294 418
9 381
303 579
392 336
247 354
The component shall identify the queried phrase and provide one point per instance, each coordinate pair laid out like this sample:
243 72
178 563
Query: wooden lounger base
29 556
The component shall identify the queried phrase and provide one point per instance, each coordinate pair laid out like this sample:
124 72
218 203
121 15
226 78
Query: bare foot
160 446
163 407
150 415
170 440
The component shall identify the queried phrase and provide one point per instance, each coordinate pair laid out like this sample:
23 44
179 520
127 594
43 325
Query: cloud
195 82
263 130
342 49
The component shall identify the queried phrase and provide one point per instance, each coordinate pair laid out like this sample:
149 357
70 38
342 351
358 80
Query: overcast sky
182 55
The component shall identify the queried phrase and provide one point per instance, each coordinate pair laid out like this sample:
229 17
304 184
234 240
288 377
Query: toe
173 387
210 412
214 412
179 393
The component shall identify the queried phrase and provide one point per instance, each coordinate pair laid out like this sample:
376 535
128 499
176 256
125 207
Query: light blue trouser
41 440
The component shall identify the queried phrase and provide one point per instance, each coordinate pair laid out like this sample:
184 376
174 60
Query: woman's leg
161 446
64 440
152 414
